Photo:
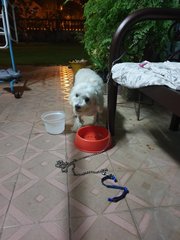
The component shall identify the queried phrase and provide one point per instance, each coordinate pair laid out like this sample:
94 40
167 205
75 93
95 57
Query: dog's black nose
77 107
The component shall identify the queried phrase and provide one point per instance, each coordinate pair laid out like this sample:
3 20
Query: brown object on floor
18 90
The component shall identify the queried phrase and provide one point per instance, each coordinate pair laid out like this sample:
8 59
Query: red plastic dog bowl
92 139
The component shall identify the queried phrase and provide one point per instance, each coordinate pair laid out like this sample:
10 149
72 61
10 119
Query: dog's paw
74 129
76 126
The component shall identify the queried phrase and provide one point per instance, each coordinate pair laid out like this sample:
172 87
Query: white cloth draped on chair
138 75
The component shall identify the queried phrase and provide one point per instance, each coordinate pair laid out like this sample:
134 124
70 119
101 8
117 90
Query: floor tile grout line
129 209
134 221
14 187
66 158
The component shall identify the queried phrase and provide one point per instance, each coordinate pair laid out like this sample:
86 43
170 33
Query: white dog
86 96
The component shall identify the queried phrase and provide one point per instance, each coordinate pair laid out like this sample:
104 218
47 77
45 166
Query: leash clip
124 189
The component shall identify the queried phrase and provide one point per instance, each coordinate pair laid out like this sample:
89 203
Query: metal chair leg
112 100
139 106
175 121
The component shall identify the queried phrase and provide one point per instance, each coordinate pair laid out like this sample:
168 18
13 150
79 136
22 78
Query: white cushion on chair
137 75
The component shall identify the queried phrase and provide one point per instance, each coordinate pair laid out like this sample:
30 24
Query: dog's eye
86 99
77 95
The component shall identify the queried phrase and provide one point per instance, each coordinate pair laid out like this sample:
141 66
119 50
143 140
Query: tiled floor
38 201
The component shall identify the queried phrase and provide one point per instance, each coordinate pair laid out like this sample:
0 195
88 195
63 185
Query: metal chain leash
64 166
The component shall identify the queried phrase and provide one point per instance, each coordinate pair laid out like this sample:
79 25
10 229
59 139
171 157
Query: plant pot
78 64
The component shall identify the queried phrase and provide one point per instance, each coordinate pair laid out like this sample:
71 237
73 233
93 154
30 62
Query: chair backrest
117 45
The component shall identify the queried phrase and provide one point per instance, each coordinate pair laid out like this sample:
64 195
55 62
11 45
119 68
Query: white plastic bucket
54 121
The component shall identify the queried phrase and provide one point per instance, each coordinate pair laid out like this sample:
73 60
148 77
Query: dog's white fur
86 96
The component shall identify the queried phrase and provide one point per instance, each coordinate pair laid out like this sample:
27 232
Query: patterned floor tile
7 186
158 223
10 166
172 197
109 226
92 162
5 196
89 197
41 163
57 230
12 144
39 201
129 156
22 115
18 128
45 141
34 201
147 188
9 171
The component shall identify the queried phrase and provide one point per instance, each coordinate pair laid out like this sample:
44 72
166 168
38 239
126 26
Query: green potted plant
102 18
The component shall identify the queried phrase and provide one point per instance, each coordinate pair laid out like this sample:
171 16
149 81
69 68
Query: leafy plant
102 17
